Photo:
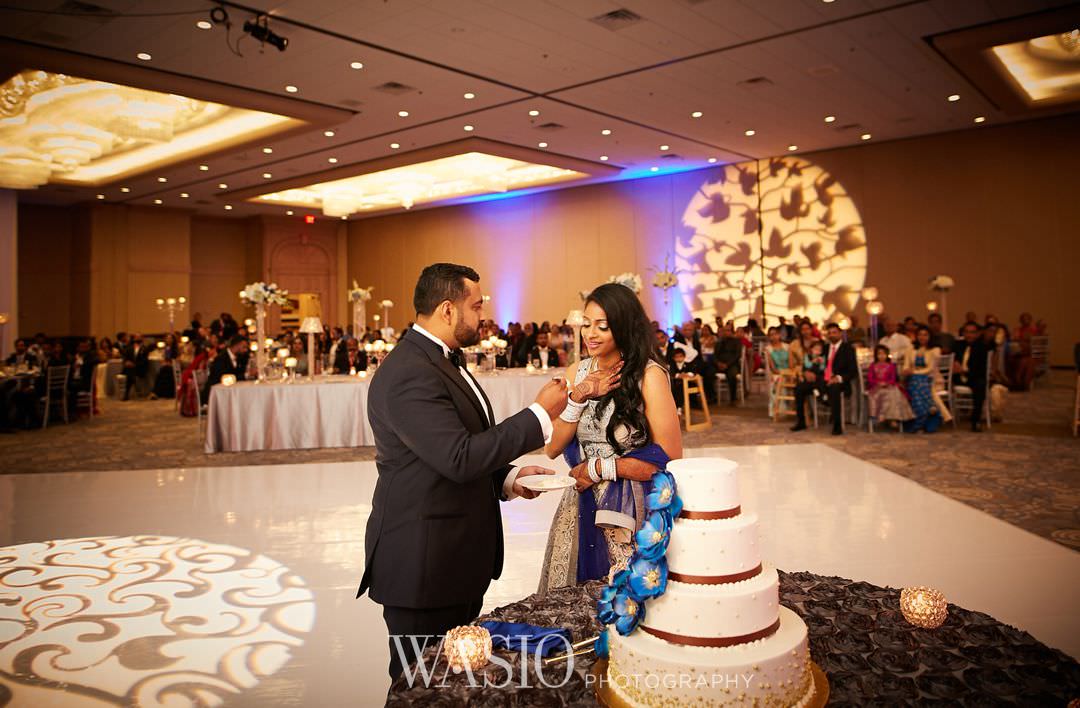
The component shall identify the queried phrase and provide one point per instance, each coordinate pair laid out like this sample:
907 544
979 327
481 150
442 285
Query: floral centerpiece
622 603
359 297
629 280
942 284
359 294
666 278
260 295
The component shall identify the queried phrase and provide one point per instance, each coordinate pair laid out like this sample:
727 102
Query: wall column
9 270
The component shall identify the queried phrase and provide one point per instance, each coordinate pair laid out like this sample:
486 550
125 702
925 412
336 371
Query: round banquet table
330 411
869 653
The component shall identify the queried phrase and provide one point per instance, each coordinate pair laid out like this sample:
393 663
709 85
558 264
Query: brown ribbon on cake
714 579
713 641
710 515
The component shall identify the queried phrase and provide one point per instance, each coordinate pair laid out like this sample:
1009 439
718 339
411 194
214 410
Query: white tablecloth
328 412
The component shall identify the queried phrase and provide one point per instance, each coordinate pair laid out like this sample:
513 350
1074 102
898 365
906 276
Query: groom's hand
526 472
553 398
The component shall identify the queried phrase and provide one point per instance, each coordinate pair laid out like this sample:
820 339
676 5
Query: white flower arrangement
629 280
941 282
263 293
386 303
359 294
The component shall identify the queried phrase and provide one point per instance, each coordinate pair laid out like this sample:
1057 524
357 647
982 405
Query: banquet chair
88 399
692 386
760 378
199 378
721 383
56 389
819 400
945 364
177 374
863 396
1040 354
963 400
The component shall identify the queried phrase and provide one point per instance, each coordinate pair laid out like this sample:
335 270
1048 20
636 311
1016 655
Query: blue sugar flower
652 539
601 646
648 578
676 507
605 611
621 578
663 492
630 612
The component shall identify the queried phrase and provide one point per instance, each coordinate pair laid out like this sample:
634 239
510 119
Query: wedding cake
717 635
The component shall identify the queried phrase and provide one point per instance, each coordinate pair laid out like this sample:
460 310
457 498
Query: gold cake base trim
607 697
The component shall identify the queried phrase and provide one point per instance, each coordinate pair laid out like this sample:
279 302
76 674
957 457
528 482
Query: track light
260 30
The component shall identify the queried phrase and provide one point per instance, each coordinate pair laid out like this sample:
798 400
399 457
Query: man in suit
841 369
542 355
434 538
727 358
969 369
233 360
665 346
350 357
22 355
136 363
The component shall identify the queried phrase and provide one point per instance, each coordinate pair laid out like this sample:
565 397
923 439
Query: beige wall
45 265
995 208
218 265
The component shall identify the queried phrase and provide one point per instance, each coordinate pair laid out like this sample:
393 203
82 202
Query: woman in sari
189 399
921 369
620 426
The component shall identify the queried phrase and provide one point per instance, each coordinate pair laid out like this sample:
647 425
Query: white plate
546 482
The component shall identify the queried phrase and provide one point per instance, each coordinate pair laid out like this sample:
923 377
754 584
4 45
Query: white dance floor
270 558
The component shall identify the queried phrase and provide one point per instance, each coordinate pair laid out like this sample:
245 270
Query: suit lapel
448 370
487 403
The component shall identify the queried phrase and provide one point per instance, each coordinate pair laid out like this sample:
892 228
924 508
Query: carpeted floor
1025 471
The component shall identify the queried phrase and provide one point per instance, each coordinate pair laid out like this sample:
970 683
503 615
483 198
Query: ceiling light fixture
403 114
603 158
268 151
332 160
158 201
184 195
980 119
395 146
665 147
830 119
356 65
543 145
654 169
468 129
288 212
204 168
203 25
143 56
866 136
605 131
954 98
291 89
228 207
712 159
534 112
162 179
470 96
125 190
223 186
328 133
792 148
749 133
101 196
696 114
267 175
260 30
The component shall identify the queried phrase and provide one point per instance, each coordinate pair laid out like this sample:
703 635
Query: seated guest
887 401
969 369
350 358
81 377
897 342
136 363
22 355
189 401
40 347
922 376
543 355
104 349
708 342
296 351
778 363
165 382
838 368
233 360
938 338
1020 365
969 316
664 346
787 331
680 370
727 358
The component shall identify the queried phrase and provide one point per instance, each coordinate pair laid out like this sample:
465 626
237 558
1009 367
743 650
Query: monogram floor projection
810 255
143 620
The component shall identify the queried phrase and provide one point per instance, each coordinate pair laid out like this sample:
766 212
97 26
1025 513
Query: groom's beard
466 336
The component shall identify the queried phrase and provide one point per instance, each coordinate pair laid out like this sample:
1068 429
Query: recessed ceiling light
332 160
534 112
866 136
356 65
328 133
605 131
289 212
403 114
125 190
712 159
144 56
654 169
980 119
204 168
162 179
395 146
468 129
470 96
268 151
344 217
184 195
228 207
603 158
203 25
157 201
792 148
665 147
291 89
749 133
954 98
223 186
543 145
267 175
101 196
830 119
696 114
827 1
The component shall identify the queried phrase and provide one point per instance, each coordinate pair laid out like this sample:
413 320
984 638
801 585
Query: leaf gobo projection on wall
811 253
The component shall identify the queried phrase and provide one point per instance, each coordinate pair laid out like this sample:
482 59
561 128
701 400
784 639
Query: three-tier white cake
718 635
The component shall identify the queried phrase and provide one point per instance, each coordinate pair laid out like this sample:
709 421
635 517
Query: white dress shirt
541 415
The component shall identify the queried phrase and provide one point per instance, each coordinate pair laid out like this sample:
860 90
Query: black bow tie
457 358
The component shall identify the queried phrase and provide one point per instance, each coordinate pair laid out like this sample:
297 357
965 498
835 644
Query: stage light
260 30
101 196
157 201
605 131
468 129
543 145
204 168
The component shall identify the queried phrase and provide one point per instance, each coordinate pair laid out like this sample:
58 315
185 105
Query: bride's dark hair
633 334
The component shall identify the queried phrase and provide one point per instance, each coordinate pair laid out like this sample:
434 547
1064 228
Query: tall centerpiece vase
260 339
359 318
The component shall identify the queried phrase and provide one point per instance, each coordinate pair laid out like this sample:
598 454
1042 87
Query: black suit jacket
553 357
976 361
844 364
222 365
341 360
141 360
434 537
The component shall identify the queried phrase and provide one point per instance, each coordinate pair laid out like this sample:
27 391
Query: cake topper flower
652 539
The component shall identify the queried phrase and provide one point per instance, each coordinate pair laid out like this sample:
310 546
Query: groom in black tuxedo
434 538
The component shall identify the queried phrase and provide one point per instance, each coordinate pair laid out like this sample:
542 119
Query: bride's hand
597 384
580 473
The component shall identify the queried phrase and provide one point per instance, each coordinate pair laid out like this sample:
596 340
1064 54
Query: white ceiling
865 61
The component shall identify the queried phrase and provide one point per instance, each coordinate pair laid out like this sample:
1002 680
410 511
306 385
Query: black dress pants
833 392
428 625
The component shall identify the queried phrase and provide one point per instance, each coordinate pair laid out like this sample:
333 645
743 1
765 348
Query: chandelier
1070 41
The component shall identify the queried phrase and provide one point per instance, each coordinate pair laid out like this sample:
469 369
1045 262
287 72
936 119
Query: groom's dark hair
441 281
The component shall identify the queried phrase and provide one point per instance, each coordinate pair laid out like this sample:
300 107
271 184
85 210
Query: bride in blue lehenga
619 428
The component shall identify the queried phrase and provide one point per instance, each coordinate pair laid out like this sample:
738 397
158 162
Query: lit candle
362 374
380 346
253 347
228 380
283 353
923 607
467 647
290 362
352 371
530 368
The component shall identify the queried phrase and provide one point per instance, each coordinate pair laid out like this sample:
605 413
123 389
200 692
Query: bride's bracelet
573 410
607 468
590 467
